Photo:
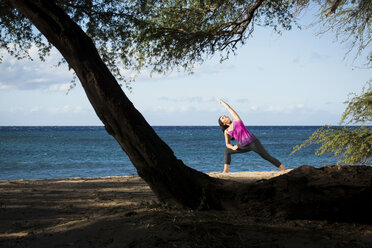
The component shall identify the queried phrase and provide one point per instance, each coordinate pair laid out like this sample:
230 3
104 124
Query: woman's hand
235 147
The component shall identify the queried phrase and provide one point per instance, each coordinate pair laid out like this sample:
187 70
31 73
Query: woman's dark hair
222 126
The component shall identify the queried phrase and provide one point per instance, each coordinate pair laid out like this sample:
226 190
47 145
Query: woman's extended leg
257 147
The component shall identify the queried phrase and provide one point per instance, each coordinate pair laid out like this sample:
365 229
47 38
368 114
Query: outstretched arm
235 116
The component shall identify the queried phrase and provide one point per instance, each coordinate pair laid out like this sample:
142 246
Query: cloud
289 115
38 80
35 109
314 57
38 75
195 99
178 73
170 114
299 61
285 109
213 68
242 100
299 106
317 57
253 108
255 115
48 110
58 87
5 86
16 109
34 75
66 109
296 60
70 115
185 114
146 75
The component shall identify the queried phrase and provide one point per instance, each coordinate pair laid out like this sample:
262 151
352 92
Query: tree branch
333 8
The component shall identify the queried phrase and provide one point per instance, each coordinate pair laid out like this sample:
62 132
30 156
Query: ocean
84 151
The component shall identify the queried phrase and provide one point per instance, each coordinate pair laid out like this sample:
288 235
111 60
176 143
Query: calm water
64 152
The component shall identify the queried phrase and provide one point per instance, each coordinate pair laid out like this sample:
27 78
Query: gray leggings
255 146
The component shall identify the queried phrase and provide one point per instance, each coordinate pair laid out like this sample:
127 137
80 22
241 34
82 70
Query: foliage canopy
351 21
159 34
164 35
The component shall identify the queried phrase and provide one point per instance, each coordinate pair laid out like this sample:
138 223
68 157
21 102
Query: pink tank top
241 133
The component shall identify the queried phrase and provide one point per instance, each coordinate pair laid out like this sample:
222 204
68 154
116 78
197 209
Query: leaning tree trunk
155 162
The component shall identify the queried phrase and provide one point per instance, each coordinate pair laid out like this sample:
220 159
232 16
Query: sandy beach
123 212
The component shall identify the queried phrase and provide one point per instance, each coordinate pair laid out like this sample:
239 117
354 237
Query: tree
352 22
119 33
161 34
155 162
350 144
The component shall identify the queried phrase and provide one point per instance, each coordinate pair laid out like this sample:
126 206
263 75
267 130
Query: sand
123 212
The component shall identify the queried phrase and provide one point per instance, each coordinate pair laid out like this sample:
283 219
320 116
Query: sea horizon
46 152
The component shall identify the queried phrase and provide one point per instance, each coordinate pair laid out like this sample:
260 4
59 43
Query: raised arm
234 115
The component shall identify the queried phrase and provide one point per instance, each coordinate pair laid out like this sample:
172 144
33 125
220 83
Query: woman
247 141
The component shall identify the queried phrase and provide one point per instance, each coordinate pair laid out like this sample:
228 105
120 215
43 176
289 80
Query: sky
297 78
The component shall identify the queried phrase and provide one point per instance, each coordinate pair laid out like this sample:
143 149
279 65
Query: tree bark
155 162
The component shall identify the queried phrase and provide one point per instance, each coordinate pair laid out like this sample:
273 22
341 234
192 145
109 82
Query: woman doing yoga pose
246 140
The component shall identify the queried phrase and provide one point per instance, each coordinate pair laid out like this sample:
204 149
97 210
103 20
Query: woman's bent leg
226 168
227 158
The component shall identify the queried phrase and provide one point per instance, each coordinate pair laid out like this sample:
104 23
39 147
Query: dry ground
123 212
